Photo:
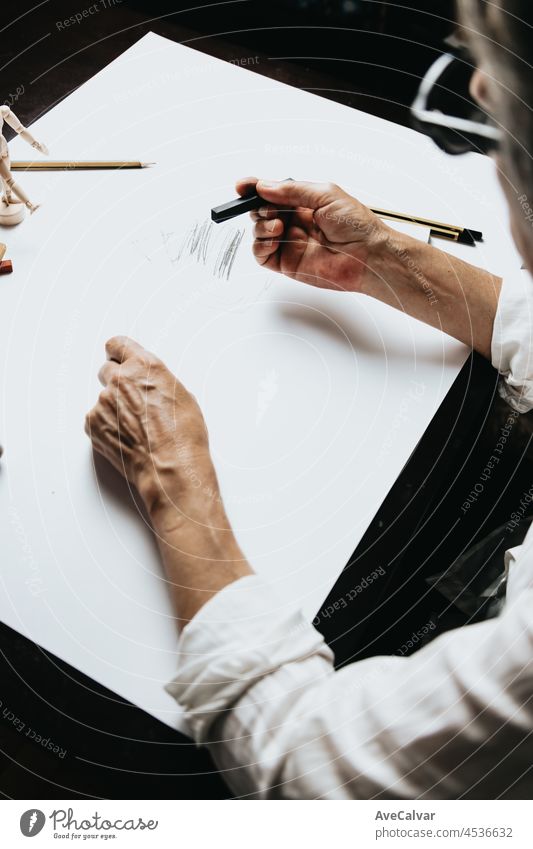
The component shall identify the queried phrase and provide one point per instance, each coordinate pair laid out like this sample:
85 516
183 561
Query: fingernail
263 211
271 225
268 184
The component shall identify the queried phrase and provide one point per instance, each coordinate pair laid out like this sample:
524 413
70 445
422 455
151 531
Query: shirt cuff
245 632
512 341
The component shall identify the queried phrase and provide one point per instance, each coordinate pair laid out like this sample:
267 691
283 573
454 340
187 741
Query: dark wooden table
61 734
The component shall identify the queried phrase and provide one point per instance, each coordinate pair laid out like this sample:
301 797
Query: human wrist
199 550
178 496
193 532
392 256
373 252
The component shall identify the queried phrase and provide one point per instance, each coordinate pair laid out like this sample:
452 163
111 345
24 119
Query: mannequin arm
11 119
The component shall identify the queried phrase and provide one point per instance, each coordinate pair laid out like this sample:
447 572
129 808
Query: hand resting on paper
318 234
152 430
147 424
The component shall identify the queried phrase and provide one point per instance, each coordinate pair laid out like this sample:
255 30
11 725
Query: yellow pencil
76 165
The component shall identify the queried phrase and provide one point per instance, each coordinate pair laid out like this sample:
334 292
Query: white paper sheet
314 400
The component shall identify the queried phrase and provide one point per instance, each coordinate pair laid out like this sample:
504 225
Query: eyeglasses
444 110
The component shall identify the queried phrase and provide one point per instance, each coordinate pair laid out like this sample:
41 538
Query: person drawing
257 682
11 191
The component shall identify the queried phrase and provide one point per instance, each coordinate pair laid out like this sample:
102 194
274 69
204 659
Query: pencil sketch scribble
196 242
227 253
205 243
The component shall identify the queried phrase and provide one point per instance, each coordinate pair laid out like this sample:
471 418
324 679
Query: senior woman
256 680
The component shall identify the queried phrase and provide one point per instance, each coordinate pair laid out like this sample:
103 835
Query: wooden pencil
76 165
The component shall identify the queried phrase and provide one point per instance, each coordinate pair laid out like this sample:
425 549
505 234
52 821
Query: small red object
6 266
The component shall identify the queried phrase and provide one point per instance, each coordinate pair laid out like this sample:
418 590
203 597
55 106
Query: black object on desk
420 527
63 735
238 206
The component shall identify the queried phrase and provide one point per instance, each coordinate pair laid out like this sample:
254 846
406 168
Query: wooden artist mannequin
14 199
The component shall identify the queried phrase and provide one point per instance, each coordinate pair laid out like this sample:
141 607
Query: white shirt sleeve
259 689
512 341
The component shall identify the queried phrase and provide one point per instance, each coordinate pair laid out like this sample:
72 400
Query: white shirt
454 720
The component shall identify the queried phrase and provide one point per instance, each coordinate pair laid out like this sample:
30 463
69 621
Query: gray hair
503 29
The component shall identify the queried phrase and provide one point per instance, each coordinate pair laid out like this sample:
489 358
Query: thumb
292 193
121 348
